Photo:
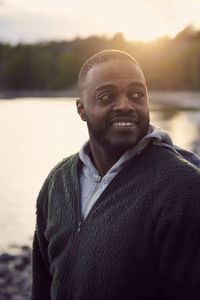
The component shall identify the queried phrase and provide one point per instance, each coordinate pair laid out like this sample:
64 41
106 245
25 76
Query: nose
123 104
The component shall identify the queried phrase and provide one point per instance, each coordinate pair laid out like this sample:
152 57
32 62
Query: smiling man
114 102
121 219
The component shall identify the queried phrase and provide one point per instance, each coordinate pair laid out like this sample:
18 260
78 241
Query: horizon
190 29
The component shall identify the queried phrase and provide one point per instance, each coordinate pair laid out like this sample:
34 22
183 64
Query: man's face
115 105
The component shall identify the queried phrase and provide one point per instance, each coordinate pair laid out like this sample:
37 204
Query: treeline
169 64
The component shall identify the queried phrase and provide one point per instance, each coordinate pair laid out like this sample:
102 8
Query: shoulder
165 158
169 172
175 181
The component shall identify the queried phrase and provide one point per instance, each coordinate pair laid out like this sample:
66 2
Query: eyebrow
136 83
105 86
113 86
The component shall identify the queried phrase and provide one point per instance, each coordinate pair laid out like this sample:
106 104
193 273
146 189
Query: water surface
35 134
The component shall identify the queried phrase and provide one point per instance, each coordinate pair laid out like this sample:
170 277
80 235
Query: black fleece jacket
140 241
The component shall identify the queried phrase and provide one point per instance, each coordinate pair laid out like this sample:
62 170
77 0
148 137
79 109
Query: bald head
101 57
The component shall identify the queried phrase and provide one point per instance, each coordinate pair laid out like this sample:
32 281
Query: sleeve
177 243
41 277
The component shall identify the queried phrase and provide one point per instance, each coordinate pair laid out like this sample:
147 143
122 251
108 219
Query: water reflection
165 114
182 125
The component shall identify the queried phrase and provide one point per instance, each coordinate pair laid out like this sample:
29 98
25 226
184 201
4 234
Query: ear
80 109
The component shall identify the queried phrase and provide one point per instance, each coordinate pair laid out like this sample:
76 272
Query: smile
123 124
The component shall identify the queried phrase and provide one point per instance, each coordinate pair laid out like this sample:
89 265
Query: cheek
98 115
94 119
143 112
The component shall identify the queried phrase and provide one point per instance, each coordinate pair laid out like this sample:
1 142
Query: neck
104 159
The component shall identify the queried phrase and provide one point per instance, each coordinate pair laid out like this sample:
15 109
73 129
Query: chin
120 147
125 141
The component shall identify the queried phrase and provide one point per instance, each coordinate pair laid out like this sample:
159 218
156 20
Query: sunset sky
41 20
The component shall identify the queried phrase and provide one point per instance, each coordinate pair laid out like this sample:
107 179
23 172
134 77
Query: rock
21 260
9 290
15 275
3 269
18 297
26 248
2 282
5 257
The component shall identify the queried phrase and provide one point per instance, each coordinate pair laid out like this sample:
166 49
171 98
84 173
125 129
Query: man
121 219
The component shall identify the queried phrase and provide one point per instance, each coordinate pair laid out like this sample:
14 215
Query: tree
16 71
43 69
67 71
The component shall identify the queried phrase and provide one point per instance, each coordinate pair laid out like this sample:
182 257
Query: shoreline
11 94
176 100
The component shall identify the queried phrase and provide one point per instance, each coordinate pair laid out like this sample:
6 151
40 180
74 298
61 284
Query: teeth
123 124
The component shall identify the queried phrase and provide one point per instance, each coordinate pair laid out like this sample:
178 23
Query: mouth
124 124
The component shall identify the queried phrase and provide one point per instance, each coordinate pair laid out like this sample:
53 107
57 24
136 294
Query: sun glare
146 28
145 24
137 21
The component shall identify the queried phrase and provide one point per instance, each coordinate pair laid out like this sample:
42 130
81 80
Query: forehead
116 72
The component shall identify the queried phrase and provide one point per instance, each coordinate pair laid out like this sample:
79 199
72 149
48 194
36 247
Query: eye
105 97
137 94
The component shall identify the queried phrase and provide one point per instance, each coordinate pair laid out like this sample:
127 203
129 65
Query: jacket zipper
81 222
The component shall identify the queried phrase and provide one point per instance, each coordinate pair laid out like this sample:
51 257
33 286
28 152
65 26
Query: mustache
122 117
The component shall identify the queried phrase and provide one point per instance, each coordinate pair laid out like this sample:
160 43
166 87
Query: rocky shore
15 275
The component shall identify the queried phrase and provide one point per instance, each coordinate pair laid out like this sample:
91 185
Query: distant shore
11 94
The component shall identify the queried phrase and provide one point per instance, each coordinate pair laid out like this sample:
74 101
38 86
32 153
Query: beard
99 136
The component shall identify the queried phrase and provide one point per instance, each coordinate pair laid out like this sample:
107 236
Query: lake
36 133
